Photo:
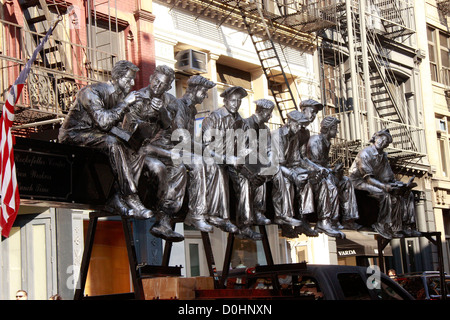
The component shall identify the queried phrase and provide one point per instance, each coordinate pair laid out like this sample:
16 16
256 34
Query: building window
194 259
302 253
234 77
444 52
444 144
438 51
431 34
107 46
444 157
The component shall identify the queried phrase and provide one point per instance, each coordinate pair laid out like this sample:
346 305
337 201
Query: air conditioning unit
441 126
191 61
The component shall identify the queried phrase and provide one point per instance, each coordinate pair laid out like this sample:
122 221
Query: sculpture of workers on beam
183 125
269 171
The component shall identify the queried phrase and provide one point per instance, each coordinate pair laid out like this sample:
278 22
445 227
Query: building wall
176 30
55 270
437 107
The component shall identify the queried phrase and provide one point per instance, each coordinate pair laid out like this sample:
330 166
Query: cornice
144 16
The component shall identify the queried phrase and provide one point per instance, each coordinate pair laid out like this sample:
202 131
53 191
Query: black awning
359 244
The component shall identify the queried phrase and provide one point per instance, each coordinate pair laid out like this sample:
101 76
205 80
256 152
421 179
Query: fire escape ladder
382 97
260 31
387 104
35 13
50 87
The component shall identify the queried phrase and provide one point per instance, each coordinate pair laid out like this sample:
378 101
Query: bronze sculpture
371 172
325 198
136 130
280 195
150 121
286 149
217 128
184 112
98 108
317 151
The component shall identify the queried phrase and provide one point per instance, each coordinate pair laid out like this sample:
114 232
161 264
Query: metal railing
408 140
48 91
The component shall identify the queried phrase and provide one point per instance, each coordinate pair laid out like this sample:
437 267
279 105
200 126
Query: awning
359 244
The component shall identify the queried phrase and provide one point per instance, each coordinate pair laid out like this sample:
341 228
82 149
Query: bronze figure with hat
371 172
344 208
224 121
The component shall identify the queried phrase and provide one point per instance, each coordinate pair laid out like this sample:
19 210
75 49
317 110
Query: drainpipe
353 73
366 70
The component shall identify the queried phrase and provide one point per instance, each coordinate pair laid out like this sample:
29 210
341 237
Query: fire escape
262 26
359 81
65 65
272 25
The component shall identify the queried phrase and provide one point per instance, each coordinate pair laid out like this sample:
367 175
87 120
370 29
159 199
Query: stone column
213 73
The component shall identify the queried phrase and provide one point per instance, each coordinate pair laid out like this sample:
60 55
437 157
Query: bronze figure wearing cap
98 109
280 195
317 151
151 119
222 122
371 172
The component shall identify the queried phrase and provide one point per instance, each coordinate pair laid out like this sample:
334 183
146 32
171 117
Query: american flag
9 192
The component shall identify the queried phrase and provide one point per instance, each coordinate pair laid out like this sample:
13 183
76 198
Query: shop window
446 219
245 254
27 256
109 270
194 259
353 286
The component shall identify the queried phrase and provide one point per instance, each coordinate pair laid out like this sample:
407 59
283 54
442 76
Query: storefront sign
345 253
43 175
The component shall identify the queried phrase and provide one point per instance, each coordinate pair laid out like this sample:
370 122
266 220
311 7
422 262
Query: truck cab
314 282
